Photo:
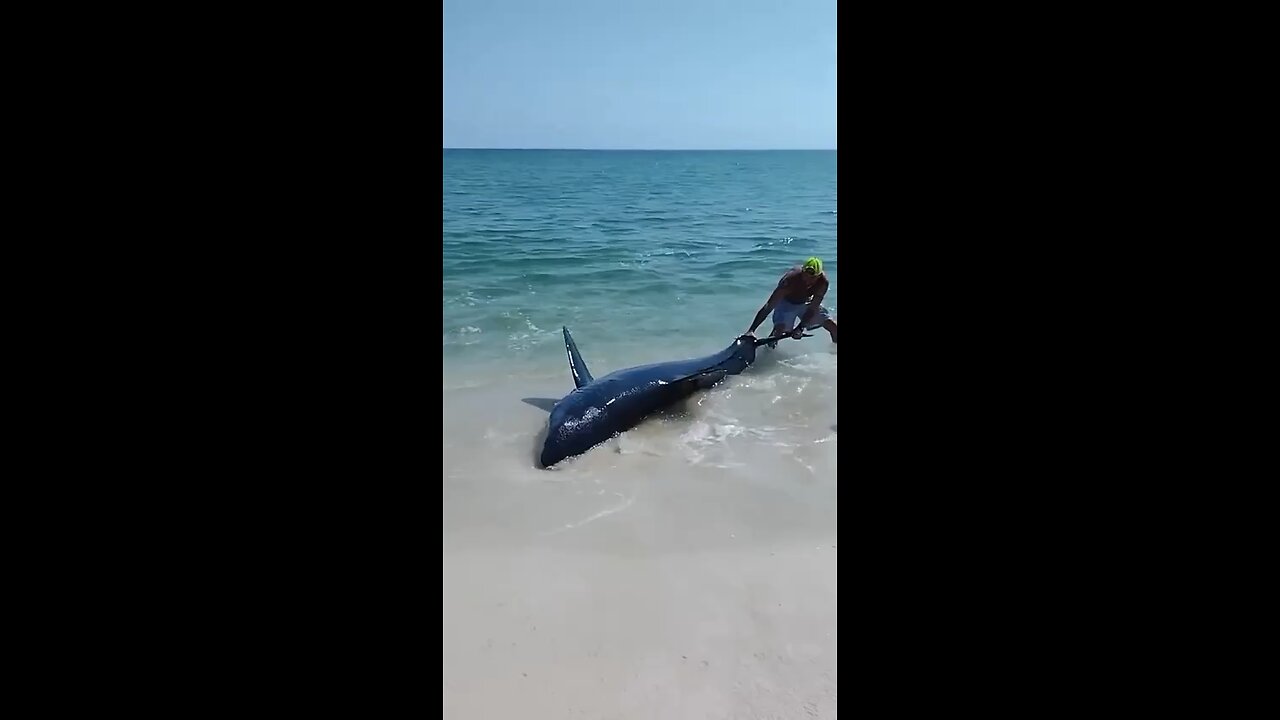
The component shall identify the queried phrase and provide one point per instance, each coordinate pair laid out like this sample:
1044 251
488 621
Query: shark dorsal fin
581 375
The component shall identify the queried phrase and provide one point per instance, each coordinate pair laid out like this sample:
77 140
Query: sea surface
630 250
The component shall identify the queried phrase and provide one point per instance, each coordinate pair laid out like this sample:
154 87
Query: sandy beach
686 569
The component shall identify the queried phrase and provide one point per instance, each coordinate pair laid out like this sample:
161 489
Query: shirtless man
799 291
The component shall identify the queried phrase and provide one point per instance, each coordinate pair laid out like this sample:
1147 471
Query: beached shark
599 409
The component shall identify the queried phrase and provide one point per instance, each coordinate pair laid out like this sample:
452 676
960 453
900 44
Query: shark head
576 425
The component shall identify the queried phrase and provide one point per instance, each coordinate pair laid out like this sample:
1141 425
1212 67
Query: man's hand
798 332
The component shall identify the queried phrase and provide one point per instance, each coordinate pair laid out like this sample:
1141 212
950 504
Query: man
799 294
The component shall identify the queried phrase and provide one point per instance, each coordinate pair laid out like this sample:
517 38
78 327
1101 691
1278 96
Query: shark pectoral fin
547 404
581 375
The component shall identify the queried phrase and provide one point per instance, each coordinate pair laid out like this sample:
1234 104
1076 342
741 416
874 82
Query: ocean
646 256
695 551
671 251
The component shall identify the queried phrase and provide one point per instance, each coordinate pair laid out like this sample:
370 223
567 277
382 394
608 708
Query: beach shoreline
685 569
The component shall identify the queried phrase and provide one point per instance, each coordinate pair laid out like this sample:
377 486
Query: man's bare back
798 297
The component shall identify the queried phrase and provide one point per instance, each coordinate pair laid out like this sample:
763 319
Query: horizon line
653 149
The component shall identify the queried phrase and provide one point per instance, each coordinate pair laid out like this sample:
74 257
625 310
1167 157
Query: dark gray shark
599 409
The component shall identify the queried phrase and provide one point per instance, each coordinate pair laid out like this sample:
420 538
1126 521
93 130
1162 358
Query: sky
640 74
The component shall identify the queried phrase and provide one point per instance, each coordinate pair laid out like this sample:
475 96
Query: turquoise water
646 256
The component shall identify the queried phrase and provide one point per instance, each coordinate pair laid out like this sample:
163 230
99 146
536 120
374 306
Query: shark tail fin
581 375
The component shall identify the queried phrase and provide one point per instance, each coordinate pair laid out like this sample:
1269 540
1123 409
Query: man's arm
819 293
764 310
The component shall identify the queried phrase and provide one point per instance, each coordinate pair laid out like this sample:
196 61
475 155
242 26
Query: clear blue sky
642 74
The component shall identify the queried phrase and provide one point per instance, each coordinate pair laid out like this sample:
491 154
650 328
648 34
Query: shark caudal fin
581 375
